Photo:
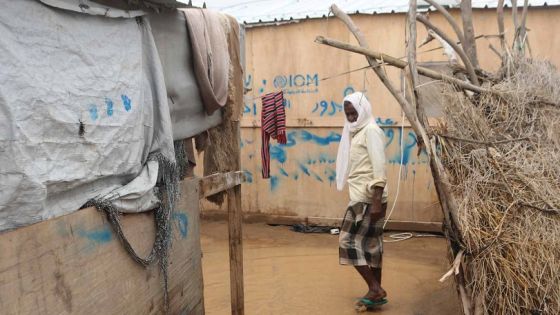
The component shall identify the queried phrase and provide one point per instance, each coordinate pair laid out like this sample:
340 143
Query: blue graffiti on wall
319 166
95 113
182 222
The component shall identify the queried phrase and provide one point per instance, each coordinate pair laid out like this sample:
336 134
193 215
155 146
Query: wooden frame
230 182
76 264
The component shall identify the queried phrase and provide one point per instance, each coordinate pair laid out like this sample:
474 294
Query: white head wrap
365 117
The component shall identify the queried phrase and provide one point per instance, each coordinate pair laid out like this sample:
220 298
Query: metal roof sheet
262 11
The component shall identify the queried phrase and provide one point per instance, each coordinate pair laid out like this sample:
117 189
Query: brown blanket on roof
210 56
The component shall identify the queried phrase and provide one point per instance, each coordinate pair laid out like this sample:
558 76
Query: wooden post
235 218
469 45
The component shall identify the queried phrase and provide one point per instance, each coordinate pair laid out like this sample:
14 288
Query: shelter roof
263 11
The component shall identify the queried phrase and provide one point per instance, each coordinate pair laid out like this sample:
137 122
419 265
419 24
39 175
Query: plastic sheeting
188 113
82 106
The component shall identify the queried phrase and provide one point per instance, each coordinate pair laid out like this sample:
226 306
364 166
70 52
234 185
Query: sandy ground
295 273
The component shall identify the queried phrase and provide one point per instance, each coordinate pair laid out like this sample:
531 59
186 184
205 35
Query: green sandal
369 303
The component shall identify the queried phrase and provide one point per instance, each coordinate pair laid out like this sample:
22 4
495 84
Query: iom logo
292 81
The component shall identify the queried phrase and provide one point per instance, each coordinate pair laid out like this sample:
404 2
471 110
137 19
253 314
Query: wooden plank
216 183
235 218
74 264
392 225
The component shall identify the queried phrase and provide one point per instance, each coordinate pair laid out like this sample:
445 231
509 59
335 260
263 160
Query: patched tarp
82 106
188 113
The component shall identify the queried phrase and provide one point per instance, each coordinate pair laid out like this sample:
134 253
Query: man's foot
375 295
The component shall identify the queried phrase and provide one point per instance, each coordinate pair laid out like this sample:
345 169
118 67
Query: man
361 163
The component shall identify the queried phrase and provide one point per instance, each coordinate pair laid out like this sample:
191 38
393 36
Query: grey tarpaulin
188 113
82 106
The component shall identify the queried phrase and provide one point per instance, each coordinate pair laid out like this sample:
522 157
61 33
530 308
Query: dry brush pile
502 153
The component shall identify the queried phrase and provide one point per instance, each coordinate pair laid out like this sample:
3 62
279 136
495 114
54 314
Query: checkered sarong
360 242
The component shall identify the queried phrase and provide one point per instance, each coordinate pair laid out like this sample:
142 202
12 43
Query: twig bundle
502 152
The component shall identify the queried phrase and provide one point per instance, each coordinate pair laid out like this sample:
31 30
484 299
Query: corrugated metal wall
286 57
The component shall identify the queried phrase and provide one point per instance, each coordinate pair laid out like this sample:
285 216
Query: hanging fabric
273 119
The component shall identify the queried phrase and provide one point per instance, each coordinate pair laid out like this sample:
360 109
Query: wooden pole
468 32
411 69
501 28
235 218
395 62
449 19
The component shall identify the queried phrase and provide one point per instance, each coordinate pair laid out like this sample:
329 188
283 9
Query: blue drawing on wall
182 222
109 104
93 112
127 102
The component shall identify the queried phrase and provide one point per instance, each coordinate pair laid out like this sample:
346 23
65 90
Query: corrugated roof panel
258 11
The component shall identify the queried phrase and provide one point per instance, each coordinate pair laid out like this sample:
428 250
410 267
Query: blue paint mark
109 104
248 176
278 153
407 149
283 172
246 109
99 237
331 175
255 109
291 139
93 112
241 144
287 103
390 134
248 81
317 177
315 108
325 159
182 222
264 81
296 176
304 169
325 106
386 122
305 136
348 90
261 90
127 103
274 183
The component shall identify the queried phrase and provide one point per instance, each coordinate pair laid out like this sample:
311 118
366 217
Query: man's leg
377 274
375 291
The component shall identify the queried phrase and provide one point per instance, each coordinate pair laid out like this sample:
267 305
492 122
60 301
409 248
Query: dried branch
466 61
390 60
521 32
501 28
470 43
449 19
405 105
411 54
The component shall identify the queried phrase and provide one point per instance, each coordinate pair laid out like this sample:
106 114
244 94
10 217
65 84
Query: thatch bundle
502 153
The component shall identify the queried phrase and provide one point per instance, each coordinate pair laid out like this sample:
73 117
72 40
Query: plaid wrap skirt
360 241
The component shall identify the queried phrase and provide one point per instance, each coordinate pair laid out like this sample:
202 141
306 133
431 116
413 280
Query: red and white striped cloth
273 125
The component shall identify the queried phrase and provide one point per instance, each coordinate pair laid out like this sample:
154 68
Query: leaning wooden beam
522 32
470 43
390 60
216 183
501 28
405 105
466 61
449 19
411 70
